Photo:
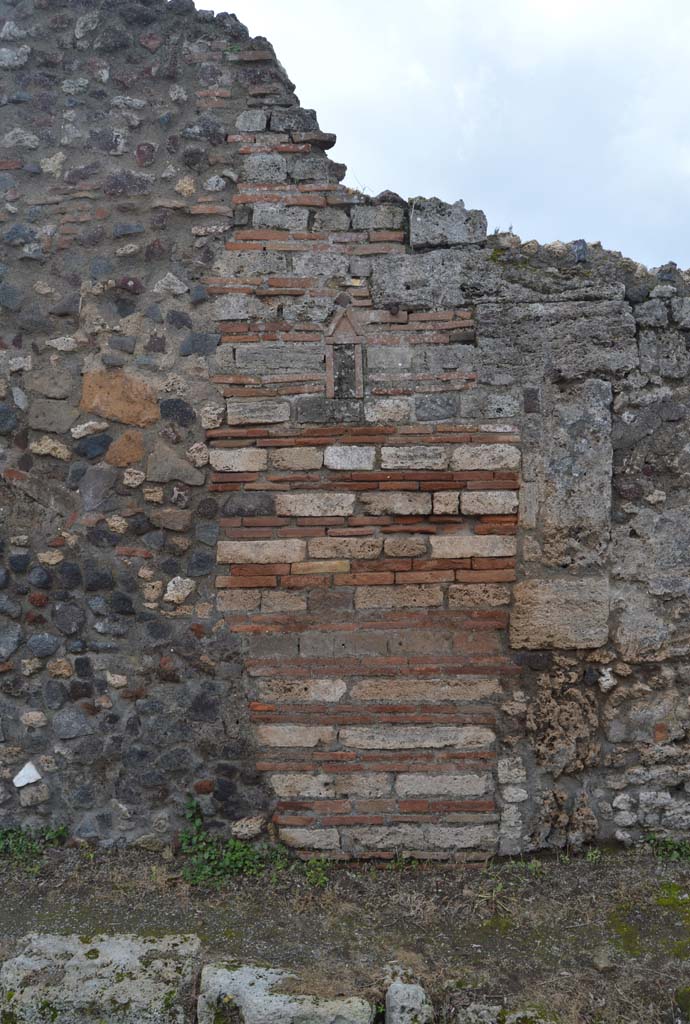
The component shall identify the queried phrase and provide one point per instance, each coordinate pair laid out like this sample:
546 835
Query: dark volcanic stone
68 617
178 411
43 645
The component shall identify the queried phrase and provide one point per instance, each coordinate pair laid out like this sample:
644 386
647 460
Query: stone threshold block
230 994
77 979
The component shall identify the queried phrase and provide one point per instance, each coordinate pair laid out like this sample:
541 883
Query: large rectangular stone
261 551
415 457
478 595
297 458
485 456
396 503
314 787
345 547
575 515
238 460
469 545
72 978
560 613
488 503
404 596
424 837
460 688
301 691
242 410
350 456
294 735
311 838
422 737
467 784
314 504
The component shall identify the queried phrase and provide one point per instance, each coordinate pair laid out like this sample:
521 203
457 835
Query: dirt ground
603 939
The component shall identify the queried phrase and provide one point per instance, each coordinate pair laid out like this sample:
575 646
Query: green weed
25 848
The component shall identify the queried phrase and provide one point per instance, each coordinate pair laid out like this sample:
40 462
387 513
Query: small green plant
593 855
211 859
667 848
316 871
26 848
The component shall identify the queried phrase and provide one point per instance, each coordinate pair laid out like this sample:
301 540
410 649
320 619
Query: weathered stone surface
310 504
568 613
407 1004
119 396
54 416
576 507
238 460
349 457
262 551
253 995
257 412
147 981
468 545
434 223
164 465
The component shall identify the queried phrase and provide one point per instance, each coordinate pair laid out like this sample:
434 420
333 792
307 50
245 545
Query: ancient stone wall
317 505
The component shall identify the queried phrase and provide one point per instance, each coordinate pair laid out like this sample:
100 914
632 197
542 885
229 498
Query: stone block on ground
252 995
408 1004
77 979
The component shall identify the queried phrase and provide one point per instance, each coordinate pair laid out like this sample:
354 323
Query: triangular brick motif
343 328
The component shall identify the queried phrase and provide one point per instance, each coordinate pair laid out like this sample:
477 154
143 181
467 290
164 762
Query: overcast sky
563 118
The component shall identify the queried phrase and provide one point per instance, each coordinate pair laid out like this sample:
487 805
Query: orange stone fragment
119 396
127 449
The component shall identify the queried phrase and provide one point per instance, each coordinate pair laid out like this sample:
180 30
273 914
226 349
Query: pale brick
314 787
300 691
446 503
299 784
302 568
423 784
238 460
294 735
261 551
409 737
415 457
405 547
467 545
396 503
314 503
283 601
406 596
311 838
457 688
388 410
238 600
261 411
478 595
345 547
297 458
424 837
485 456
488 503
356 784
348 456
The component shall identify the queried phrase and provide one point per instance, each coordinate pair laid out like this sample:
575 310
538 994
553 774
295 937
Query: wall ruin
317 504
